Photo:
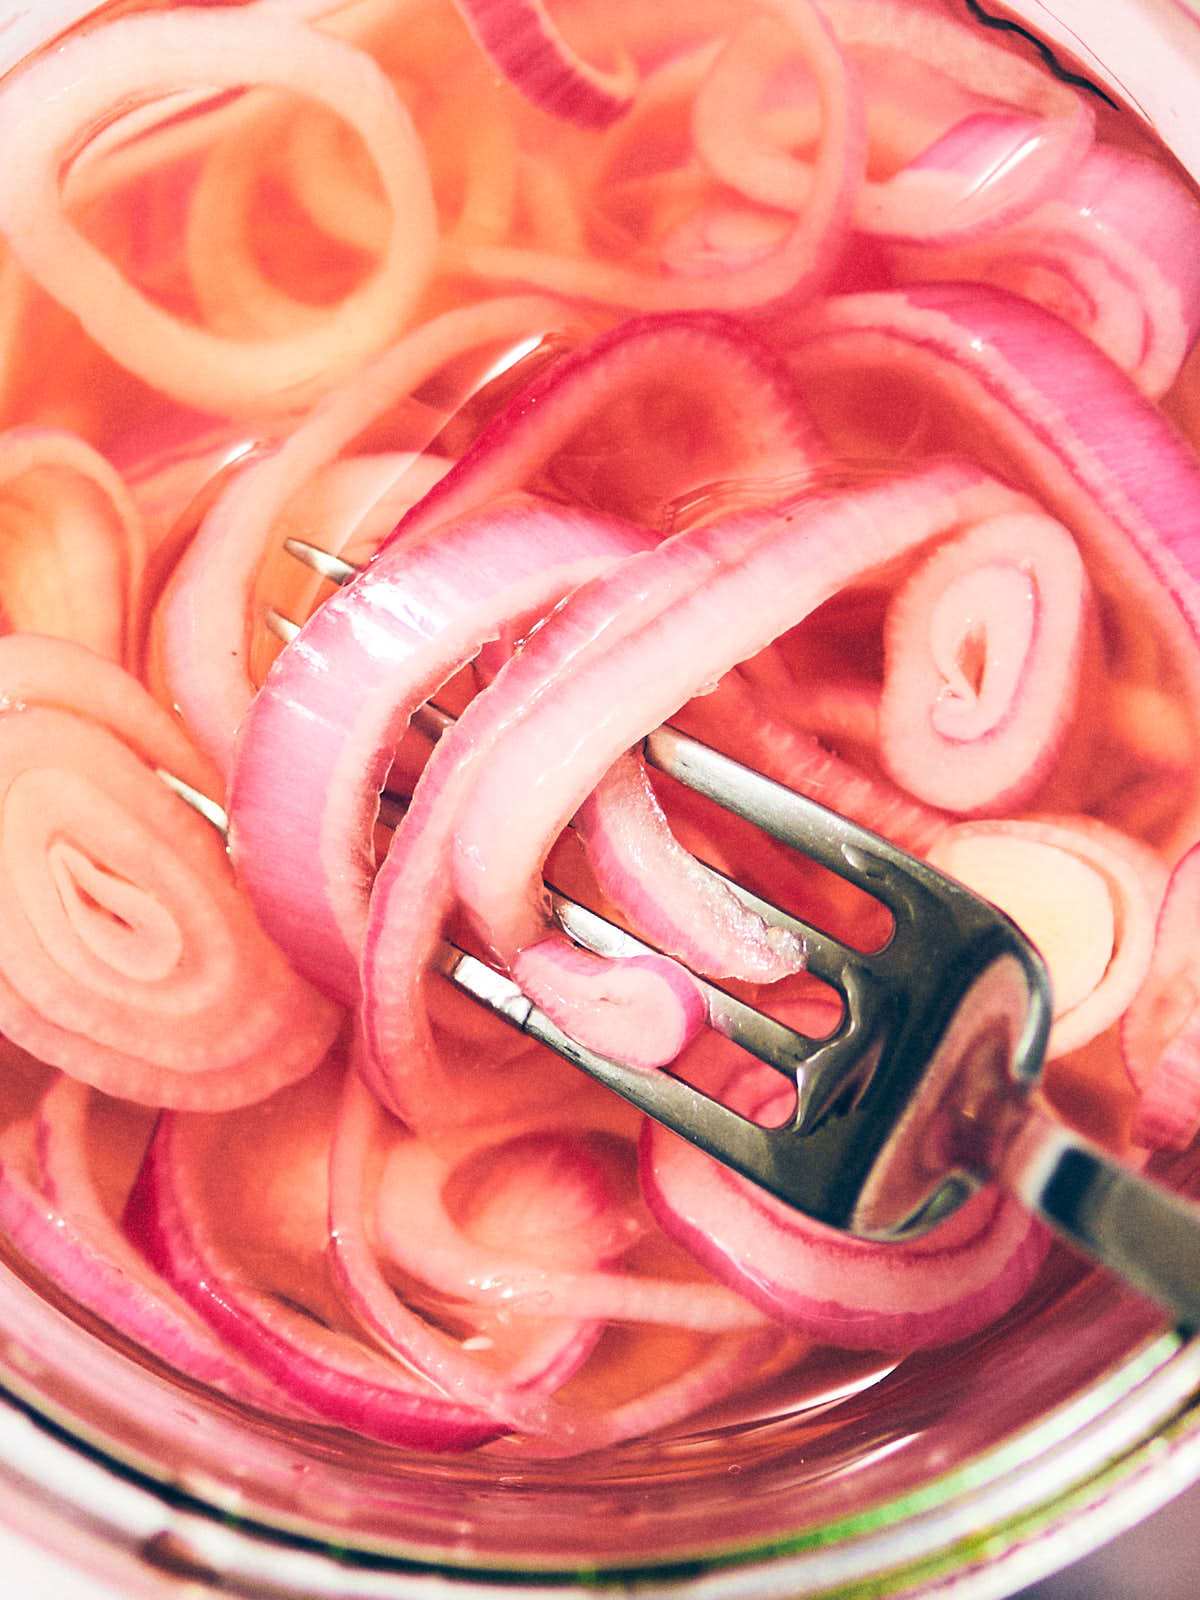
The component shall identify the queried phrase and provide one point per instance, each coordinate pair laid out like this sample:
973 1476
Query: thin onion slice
1160 1032
324 1367
71 540
419 1234
1029 394
929 200
554 1426
650 378
1115 252
729 589
676 902
895 1296
211 612
48 104
311 760
1086 894
128 956
799 260
641 1009
66 1230
521 38
984 644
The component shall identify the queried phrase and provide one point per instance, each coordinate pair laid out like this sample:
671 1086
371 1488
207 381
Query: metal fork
922 1092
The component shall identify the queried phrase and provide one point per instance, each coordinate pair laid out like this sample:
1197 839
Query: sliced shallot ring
48 104
855 1293
40 671
74 543
554 1427
520 37
1160 1032
799 261
984 644
642 1009
128 956
414 890
789 559
1092 449
1116 252
761 430
316 745
1087 894
418 1234
65 1231
991 168
211 609
912 205
359 1133
676 902
142 1009
347 1383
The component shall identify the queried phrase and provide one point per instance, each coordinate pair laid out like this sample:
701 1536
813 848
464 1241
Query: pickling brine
813 376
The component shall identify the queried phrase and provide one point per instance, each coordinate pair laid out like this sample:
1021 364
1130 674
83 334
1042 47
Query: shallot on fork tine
923 1090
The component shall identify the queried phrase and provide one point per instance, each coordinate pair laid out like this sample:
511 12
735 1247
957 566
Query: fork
924 1090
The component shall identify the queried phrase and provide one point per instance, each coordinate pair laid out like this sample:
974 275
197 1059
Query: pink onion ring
144 58
1160 1033
212 609
1116 252
128 956
74 544
311 759
675 901
737 585
985 643
522 40
802 258
1044 404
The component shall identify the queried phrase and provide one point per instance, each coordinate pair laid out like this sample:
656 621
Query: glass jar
971 1471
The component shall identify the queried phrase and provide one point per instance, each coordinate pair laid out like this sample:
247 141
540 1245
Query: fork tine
282 627
321 562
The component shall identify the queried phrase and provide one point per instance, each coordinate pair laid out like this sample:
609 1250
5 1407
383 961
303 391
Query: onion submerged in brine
800 375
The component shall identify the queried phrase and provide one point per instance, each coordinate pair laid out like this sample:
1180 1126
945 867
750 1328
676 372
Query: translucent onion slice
520 36
984 643
129 958
799 259
316 745
211 613
1160 1033
989 167
1086 894
72 544
727 589
558 1426
649 378
1019 387
676 902
269 1306
557 1184
66 1227
1115 252
61 95
641 1009
896 1296
933 198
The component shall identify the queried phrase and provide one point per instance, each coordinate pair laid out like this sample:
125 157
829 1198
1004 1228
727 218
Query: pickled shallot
791 375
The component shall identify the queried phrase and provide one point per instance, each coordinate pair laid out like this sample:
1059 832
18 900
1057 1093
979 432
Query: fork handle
1137 1229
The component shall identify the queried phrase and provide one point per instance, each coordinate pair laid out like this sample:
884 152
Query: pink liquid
255 220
